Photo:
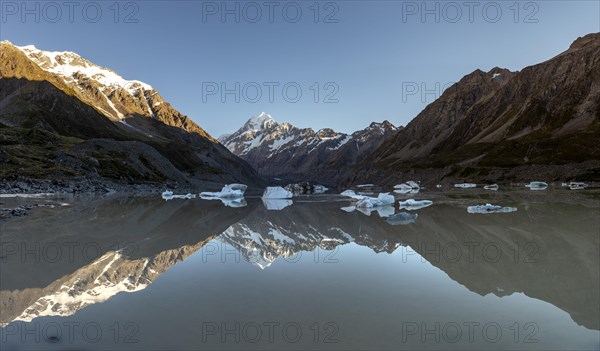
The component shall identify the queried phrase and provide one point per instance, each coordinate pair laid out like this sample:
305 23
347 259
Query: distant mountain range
62 116
297 154
75 118
542 122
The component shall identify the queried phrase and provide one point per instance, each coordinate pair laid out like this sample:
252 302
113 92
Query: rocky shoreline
97 186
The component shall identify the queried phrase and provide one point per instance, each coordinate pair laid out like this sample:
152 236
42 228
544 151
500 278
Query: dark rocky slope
54 128
542 122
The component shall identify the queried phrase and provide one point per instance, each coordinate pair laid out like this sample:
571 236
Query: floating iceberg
320 189
402 218
412 204
537 185
383 211
168 195
408 187
465 185
413 185
493 187
276 204
577 185
229 191
352 194
384 199
277 192
348 209
489 208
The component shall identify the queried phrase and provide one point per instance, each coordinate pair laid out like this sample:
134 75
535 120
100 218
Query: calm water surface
141 273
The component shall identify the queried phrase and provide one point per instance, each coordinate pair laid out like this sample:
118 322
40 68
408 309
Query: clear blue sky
372 52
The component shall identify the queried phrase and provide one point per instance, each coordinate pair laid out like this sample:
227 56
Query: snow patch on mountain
67 64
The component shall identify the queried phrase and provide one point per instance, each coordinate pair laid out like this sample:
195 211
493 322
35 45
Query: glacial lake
116 273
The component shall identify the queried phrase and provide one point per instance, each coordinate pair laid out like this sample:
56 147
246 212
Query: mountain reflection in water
546 251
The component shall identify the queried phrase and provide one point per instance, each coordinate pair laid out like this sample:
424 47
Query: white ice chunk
348 209
465 185
408 187
277 192
489 208
577 185
168 195
384 199
402 186
386 211
412 204
383 211
229 191
319 189
368 202
352 194
537 185
276 204
413 184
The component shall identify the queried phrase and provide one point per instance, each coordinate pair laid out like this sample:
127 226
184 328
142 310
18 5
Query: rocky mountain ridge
63 116
284 150
543 121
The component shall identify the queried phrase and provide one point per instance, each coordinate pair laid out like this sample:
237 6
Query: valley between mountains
66 122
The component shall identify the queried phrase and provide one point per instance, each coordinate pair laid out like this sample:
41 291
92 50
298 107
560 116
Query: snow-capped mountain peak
260 122
119 99
286 149
71 67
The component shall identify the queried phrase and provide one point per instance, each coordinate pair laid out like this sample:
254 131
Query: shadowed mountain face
68 98
298 154
543 121
546 251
